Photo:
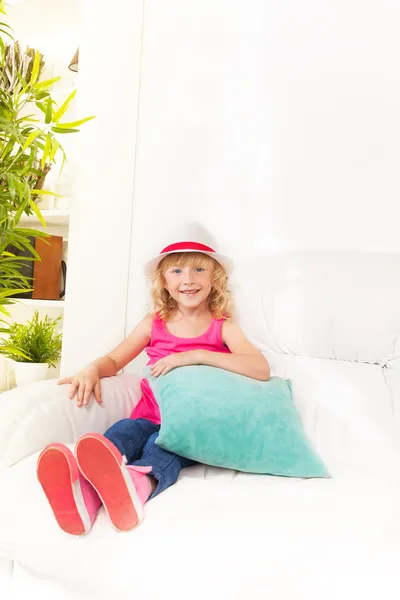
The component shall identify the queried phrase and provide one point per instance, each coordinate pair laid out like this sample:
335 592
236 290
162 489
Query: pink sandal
123 489
74 501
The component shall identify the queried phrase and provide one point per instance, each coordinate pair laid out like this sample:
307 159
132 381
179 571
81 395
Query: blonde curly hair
219 300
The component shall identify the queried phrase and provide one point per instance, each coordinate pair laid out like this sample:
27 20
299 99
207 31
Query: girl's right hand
83 384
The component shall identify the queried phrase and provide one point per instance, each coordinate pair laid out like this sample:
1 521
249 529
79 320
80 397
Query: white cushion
35 415
330 321
335 305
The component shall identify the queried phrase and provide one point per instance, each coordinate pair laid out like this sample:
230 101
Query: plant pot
29 372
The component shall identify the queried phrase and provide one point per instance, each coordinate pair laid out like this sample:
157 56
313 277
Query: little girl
191 325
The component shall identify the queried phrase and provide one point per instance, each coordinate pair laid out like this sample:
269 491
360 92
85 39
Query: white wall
275 123
101 211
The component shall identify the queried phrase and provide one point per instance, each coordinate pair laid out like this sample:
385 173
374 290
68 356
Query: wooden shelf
51 216
42 303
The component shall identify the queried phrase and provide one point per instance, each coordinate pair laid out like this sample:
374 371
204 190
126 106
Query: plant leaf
41 106
21 209
74 123
35 68
11 184
4 311
64 107
4 348
56 146
46 152
42 95
32 232
37 212
49 111
6 293
44 193
42 85
60 130
31 138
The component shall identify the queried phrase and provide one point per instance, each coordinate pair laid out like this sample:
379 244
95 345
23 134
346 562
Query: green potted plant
29 146
34 346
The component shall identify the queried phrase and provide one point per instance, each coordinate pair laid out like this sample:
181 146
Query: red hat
191 237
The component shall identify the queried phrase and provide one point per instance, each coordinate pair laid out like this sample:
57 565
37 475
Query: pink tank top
163 344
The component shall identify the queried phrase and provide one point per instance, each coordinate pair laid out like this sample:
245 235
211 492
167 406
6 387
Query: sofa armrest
37 414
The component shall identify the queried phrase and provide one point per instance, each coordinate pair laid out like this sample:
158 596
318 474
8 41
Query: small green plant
34 341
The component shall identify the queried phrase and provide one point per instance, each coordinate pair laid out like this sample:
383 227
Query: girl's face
189 285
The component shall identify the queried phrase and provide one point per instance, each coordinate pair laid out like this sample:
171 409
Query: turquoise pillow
224 419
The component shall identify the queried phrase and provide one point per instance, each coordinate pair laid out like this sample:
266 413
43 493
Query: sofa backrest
330 321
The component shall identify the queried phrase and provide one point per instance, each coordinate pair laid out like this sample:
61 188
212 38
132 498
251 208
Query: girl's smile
188 285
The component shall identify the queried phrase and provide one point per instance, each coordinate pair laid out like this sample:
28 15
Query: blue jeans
135 438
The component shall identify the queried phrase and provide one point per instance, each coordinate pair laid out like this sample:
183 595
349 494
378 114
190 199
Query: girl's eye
177 271
199 269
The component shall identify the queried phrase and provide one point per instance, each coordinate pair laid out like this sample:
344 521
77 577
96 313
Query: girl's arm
88 380
126 351
245 358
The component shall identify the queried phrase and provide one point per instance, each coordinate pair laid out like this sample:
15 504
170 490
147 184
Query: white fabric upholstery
38 414
331 323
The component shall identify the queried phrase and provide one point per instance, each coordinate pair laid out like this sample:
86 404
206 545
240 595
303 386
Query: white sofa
330 322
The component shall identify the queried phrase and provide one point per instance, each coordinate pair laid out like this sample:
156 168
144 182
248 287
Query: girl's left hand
178 359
